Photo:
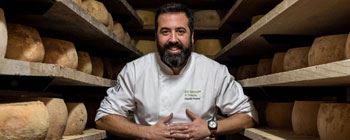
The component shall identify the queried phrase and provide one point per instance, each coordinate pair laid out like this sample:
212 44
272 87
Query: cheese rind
60 52
331 48
23 121
77 118
24 43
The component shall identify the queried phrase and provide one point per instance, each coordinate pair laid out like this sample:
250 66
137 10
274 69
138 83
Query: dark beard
177 60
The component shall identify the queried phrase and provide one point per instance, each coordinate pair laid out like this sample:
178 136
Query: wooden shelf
124 13
273 134
331 74
60 75
66 20
290 17
90 134
243 10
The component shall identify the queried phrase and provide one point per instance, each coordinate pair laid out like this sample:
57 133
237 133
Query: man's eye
181 32
164 32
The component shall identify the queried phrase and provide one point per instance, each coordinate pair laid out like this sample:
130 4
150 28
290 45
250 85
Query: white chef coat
148 87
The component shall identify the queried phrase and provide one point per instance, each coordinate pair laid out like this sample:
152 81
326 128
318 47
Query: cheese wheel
333 121
84 62
234 36
60 52
127 39
277 62
97 66
206 18
279 115
328 49
77 118
264 67
78 2
118 31
304 117
110 22
256 19
23 121
209 47
146 46
296 58
57 117
133 44
147 17
3 34
246 71
24 43
96 9
112 68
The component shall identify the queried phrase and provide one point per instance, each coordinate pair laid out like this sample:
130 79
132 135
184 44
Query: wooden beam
330 74
90 134
290 17
274 134
61 75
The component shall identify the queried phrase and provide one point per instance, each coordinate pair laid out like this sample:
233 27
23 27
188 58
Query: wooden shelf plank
290 17
61 75
66 20
331 74
243 10
273 134
90 134
123 12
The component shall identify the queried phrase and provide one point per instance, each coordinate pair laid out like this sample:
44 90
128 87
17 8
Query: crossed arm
197 129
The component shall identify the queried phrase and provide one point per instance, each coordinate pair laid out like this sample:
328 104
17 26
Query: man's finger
180 136
180 127
191 115
166 119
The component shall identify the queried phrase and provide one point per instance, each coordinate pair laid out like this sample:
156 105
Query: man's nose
173 38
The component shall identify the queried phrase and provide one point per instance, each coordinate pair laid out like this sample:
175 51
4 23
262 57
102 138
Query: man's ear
192 37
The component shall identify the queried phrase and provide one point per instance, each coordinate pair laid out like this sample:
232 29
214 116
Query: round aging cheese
84 62
206 18
77 118
97 10
296 58
326 49
24 43
333 121
264 67
246 71
146 46
57 117
97 66
277 62
304 117
118 31
147 16
3 34
209 47
23 121
60 52
279 115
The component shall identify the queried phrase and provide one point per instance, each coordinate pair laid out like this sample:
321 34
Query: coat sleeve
231 98
120 97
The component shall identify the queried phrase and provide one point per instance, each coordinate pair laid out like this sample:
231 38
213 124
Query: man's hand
161 130
197 129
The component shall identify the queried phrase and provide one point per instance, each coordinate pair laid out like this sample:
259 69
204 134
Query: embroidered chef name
193 94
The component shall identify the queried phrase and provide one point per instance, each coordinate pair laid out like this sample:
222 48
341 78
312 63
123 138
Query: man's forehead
176 18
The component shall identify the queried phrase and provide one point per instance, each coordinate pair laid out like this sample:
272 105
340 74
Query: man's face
174 39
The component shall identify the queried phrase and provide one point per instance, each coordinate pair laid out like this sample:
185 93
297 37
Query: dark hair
175 7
